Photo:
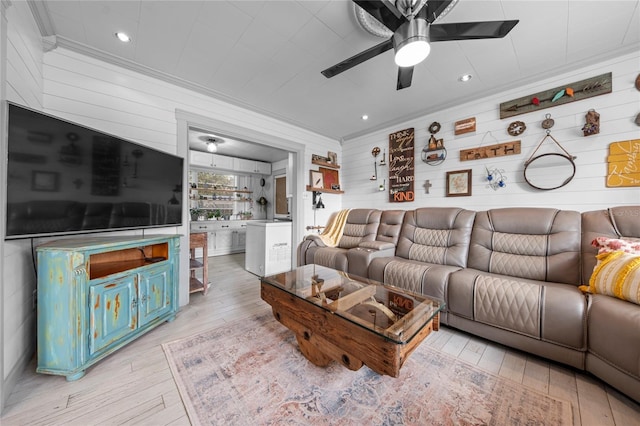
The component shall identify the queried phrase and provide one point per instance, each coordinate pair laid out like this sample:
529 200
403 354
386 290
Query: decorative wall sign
592 125
497 150
465 126
571 92
624 164
459 183
401 166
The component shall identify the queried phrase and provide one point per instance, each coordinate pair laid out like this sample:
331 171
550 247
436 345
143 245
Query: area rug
251 372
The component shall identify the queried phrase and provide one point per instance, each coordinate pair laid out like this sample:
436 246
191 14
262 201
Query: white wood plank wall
587 191
23 85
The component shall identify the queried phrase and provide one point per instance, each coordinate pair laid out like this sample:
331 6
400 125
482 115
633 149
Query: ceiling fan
412 24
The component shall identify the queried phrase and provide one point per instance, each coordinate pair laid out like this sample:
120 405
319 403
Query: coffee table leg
312 353
316 348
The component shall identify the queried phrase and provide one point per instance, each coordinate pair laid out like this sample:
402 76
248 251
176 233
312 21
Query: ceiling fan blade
384 11
470 30
433 9
358 59
404 77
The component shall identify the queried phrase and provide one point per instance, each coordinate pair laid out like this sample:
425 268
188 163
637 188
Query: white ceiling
267 55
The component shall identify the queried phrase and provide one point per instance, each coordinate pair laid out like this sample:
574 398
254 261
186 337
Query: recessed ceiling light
365 117
465 77
123 37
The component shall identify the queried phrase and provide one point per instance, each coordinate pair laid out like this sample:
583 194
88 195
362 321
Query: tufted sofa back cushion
535 243
362 225
390 226
616 222
437 235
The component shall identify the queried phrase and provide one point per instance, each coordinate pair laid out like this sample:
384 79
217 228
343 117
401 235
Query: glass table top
389 311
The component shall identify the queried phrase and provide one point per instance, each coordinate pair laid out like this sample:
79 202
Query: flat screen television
65 178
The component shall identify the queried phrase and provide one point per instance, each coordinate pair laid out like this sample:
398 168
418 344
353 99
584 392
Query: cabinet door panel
222 162
112 307
201 158
263 168
224 240
155 296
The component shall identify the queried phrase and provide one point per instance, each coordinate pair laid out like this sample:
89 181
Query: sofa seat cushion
550 312
614 333
426 278
331 257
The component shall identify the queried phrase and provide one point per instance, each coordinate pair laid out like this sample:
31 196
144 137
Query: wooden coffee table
354 321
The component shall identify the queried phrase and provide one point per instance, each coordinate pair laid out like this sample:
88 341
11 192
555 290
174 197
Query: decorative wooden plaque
401 166
560 95
465 126
497 150
624 164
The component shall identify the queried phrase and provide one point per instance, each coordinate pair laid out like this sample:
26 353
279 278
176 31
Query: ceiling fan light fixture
212 147
411 43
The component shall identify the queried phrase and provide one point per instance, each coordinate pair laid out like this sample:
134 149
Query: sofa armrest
315 239
377 245
360 258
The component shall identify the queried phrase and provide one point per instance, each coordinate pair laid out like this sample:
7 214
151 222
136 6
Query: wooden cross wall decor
427 185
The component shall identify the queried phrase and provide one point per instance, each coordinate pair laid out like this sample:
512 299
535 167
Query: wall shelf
325 164
324 190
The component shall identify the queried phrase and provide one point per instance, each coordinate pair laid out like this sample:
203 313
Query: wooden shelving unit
198 240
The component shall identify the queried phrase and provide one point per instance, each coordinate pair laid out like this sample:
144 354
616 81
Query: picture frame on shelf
316 178
332 158
459 183
330 177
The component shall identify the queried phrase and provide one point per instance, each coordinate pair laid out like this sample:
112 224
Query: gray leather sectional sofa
509 275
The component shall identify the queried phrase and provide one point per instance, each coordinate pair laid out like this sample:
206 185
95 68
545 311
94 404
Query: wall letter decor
401 166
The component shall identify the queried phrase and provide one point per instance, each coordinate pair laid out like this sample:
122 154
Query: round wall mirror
549 171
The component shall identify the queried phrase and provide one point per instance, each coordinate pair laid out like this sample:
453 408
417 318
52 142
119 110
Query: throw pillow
617 274
607 245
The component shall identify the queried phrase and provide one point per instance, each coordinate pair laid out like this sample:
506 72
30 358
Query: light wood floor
135 386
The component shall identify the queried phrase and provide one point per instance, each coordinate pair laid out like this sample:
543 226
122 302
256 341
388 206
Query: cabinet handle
134 303
225 226
143 299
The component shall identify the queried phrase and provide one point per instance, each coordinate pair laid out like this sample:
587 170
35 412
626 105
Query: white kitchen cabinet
203 159
263 168
252 166
224 237
222 162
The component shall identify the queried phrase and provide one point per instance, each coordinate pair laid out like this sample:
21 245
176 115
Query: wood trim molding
41 15
130 65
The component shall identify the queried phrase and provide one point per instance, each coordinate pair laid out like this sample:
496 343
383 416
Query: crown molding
172 79
532 79
41 15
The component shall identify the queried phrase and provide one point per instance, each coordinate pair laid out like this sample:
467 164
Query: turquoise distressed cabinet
96 294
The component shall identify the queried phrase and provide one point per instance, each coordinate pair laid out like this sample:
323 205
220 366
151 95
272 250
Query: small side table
198 240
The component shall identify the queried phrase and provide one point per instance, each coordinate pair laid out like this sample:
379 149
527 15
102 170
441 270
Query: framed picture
316 179
333 158
330 177
459 183
44 181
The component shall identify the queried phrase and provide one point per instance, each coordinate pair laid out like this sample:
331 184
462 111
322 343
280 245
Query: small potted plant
217 214
210 215
195 213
